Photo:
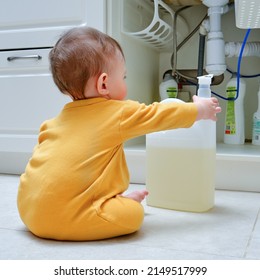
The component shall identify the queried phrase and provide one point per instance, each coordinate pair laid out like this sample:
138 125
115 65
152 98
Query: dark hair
81 53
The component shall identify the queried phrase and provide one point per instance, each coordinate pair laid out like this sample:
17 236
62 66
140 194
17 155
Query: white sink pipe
233 49
217 49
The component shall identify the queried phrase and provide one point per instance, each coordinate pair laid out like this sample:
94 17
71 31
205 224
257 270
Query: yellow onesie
72 184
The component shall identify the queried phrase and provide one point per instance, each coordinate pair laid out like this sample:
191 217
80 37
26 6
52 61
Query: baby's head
79 55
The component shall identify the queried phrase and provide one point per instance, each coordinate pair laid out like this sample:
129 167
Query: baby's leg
113 217
122 215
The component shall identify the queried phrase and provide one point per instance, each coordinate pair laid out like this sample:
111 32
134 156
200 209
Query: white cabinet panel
35 23
34 14
27 101
28 97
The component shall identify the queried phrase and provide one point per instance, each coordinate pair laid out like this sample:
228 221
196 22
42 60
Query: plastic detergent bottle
168 87
234 120
256 123
181 162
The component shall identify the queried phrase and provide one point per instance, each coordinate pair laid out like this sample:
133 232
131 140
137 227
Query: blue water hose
239 64
238 70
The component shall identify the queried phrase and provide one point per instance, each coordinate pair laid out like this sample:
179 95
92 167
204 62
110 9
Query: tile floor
229 231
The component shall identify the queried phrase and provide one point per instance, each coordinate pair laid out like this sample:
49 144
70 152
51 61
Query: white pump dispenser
208 127
180 163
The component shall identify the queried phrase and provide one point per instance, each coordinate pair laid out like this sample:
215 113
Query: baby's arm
207 108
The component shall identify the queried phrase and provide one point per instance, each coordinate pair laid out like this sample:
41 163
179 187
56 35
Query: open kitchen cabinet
237 166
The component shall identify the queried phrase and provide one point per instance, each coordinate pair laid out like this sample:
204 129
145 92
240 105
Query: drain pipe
215 57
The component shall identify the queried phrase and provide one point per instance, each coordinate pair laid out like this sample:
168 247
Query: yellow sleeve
139 119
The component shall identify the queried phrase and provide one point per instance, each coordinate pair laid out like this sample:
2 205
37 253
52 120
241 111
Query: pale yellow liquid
181 179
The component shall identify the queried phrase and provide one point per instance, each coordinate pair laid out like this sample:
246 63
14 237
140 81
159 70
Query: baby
73 186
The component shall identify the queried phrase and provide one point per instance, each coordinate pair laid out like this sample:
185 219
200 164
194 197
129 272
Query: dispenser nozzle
205 80
204 85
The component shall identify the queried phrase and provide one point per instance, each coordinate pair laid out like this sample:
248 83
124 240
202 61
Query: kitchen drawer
24 61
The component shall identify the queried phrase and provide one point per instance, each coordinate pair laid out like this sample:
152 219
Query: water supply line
202 39
183 75
174 54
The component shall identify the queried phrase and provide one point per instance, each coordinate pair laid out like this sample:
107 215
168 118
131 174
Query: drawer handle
35 56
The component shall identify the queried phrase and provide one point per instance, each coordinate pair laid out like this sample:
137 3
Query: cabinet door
28 97
37 23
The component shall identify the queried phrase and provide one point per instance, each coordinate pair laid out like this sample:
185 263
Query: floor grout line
251 235
13 229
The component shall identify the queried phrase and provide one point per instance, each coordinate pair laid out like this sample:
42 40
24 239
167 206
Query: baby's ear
102 84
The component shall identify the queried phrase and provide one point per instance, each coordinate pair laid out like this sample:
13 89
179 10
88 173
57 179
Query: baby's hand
207 108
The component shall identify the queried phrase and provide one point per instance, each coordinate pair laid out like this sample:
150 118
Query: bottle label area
172 92
230 125
256 130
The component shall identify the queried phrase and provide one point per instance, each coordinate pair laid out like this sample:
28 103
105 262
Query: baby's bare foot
137 195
